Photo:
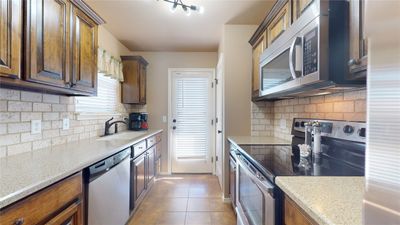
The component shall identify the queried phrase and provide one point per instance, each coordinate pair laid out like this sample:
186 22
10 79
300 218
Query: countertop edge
280 142
29 190
302 205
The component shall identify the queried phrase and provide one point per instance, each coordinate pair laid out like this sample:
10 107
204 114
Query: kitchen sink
122 136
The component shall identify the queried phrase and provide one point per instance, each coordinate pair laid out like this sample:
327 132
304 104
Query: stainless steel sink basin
128 135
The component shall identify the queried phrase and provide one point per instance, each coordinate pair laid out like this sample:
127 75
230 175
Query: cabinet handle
353 62
19 221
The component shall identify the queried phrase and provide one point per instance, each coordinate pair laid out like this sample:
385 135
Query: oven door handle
263 184
293 59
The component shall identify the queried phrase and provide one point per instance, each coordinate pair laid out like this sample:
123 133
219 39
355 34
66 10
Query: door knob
174 127
219 131
174 120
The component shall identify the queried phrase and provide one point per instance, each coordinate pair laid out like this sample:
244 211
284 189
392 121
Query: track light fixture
187 8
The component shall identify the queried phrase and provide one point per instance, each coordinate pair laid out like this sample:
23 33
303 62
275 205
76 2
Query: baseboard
226 200
164 174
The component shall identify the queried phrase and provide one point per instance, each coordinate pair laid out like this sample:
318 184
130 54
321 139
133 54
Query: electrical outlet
65 124
36 126
282 123
164 119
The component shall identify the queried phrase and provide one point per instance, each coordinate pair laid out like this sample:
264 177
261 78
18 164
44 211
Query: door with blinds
191 114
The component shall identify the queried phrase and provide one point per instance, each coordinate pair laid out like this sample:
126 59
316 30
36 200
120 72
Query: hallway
184 200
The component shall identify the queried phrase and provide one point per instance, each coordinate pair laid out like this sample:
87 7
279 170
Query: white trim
169 147
96 116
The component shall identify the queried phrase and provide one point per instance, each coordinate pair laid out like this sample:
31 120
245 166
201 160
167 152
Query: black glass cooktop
285 161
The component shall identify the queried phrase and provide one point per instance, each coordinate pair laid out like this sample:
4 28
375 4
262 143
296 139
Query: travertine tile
3 128
9 94
17 106
25 137
18 127
28 116
59 107
51 116
9 117
3 105
51 98
31 96
41 107
347 106
9 139
41 144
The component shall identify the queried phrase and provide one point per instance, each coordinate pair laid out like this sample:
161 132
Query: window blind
107 100
192 106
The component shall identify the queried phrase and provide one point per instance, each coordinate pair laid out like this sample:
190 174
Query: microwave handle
292 58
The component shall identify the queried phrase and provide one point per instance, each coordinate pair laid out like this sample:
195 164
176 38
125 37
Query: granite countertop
26 173
328 200
250 140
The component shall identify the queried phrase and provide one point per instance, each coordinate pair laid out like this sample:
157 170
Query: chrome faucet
108 125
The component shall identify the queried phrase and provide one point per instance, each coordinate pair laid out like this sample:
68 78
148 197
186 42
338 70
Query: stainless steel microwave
310 57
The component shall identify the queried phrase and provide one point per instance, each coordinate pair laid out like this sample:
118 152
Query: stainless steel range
341 153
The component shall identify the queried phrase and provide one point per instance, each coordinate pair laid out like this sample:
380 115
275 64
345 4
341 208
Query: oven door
255 201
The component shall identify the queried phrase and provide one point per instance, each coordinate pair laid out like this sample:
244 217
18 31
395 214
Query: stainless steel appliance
233 175
259 200
311 56
108 190
256 201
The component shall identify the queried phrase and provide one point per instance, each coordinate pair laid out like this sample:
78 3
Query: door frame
169 119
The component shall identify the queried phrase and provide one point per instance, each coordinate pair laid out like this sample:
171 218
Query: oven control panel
352 131
310 52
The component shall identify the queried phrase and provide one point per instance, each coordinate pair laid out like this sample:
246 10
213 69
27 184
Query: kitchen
271 112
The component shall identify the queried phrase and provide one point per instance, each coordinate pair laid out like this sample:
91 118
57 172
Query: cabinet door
358 42
10 38
84 48
139 177
151 164
142 83
279 25
294 215
299 6
258 48
48 42
69 216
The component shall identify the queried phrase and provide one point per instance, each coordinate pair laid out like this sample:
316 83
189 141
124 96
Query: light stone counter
249 140
26 173
328 200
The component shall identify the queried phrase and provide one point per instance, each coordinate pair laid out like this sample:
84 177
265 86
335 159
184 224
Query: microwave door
276 71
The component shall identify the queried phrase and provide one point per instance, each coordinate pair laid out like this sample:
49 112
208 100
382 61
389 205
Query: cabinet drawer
139 148
279 24
151 141
39 207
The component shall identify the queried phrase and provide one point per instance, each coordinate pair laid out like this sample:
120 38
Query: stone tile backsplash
18 108
275 118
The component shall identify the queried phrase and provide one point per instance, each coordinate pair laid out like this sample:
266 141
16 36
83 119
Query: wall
18 108
267 116
157 85
237 53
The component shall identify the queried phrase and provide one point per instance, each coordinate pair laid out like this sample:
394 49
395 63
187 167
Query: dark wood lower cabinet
294 215
57 204
139 178
151 165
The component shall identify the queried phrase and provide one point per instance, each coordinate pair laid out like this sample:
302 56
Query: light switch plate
36 126
65 124
164 119
282 123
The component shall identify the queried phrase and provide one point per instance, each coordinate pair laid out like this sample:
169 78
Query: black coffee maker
138 121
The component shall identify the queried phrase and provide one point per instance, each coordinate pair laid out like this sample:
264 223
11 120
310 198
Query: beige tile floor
184 200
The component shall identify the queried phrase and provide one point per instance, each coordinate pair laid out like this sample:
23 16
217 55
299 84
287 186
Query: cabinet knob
353 62
19 221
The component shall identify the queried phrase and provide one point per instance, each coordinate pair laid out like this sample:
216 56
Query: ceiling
149 25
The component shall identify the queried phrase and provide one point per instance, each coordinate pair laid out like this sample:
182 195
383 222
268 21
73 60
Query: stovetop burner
342 146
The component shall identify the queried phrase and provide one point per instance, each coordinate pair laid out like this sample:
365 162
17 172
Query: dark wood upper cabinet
84 52
358 41
60 46
10 38
134 85
258 48
47 42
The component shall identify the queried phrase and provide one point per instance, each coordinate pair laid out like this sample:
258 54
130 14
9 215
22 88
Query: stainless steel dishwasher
108 190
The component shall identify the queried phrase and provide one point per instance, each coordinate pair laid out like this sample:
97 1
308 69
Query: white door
191 115
219 135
